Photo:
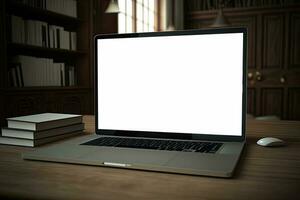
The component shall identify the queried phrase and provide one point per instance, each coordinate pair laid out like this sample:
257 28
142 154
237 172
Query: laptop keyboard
155 144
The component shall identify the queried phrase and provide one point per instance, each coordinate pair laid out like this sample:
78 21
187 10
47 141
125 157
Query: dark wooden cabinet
75 101
273 41
294 42
273 55
66 99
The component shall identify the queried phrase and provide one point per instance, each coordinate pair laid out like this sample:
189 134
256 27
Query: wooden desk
263 173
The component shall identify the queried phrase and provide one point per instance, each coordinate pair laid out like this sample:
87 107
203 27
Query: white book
51 72
44 33
73 41
27 134
55 37
74 8
27 27
35 35
67 40
19 75
71 76
43 121
17 26
23 35
56 74
27 77
30 30
63 7
17 59
42 72
50 5
31 66
57 6
46 72
14 29
35 71
67 8
38 33
61 36
63 78
33 143
51 36
14 76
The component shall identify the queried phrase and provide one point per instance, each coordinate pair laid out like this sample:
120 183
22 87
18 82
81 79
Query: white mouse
270 142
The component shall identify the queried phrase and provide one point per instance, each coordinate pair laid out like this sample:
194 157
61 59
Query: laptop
165 101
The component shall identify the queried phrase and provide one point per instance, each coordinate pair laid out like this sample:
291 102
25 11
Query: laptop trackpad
129 156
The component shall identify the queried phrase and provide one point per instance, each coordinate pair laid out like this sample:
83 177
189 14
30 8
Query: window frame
157 16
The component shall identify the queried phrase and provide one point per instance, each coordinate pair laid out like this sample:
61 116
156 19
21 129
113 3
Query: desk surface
262 173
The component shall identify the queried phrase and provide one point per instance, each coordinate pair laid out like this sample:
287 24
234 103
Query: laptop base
219 164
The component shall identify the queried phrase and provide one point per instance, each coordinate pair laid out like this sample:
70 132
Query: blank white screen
181 84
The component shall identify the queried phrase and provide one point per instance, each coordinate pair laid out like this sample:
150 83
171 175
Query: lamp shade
221 20
113 7
171 27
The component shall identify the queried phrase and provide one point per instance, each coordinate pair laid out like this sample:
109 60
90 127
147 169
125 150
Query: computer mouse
270 142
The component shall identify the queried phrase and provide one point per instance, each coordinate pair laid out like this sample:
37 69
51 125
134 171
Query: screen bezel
171 135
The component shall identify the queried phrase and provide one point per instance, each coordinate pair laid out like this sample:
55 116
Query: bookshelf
25 99
207 5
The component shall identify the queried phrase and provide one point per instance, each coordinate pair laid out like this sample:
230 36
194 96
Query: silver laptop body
182 86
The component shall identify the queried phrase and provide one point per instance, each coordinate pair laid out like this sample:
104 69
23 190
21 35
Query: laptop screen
186 83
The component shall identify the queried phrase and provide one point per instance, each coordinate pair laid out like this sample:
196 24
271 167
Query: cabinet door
273 41
293 67
266 77
294 42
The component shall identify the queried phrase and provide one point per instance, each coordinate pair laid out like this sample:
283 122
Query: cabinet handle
282 79
250 75
258 76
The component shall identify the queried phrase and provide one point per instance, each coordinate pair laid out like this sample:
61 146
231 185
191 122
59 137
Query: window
137 16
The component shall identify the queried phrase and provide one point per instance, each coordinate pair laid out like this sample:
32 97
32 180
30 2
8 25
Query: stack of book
35 130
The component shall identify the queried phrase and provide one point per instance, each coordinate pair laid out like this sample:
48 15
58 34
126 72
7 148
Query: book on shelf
33 135
65 7
15 75
39 33
32 71
43 121
17 29
36 142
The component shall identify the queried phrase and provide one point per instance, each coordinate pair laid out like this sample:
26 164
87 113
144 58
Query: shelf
46 88
198 14
24 49
29 12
